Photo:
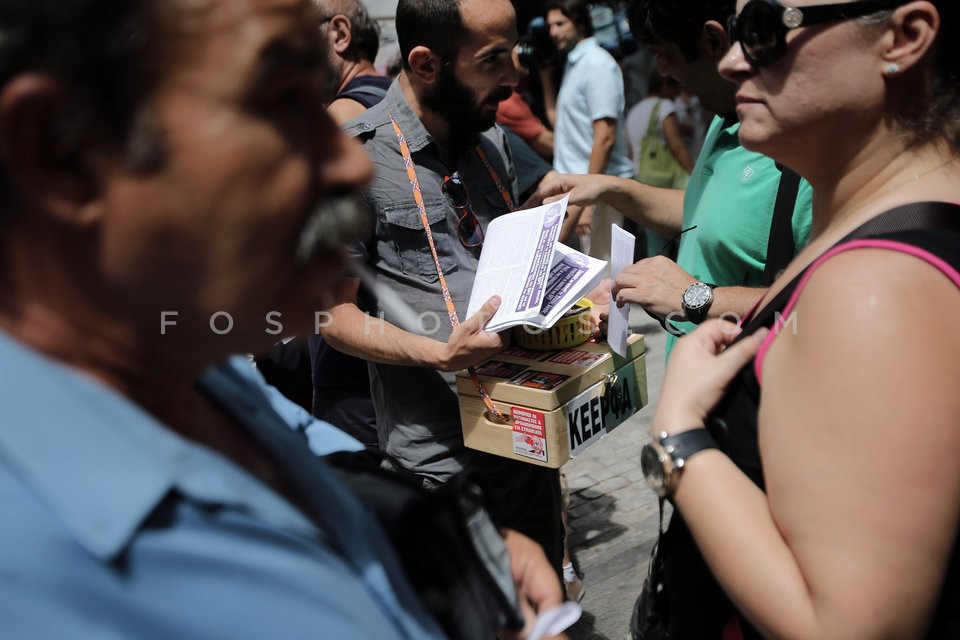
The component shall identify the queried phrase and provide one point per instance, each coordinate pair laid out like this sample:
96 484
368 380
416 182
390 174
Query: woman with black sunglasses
814 452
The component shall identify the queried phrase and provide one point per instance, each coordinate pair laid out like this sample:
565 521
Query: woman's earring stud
893 68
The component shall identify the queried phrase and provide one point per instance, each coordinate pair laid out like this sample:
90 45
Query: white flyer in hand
517 254
555 621
537 278
618 319
572 275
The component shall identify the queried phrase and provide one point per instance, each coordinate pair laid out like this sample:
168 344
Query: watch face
652 465
697 295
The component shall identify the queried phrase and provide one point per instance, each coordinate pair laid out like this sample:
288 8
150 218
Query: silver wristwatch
697 299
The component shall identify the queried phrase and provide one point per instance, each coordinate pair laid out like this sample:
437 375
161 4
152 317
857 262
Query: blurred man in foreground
434 195
160 162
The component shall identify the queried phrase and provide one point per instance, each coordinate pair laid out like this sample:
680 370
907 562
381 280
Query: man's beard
455 103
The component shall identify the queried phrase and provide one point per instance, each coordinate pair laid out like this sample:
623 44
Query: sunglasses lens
471 235
732 29
454 191
468 228
761 33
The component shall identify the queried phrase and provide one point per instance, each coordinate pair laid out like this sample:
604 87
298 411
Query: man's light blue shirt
116 527
592 89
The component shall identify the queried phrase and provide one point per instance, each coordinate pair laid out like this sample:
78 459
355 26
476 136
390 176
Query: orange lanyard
447 299
496 179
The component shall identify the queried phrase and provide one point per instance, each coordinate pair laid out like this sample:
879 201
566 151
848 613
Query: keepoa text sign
601 409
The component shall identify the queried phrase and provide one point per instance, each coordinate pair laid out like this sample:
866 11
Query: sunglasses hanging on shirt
468 228
762 25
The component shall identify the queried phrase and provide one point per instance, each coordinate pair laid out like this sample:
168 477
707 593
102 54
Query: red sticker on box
544 380
497 369
577 357
529 433
517 352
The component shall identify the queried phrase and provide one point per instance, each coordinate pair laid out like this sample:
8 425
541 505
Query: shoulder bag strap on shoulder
917 215
653 124
780 245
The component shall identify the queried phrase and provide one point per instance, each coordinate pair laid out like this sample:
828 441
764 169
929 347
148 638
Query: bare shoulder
859 387
879 291
870 326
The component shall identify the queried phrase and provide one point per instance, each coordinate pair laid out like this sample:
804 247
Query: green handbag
656 165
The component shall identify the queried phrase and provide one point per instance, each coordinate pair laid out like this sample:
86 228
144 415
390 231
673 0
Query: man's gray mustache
340 220
336 221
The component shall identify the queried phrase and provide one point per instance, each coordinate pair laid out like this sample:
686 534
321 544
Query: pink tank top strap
782 318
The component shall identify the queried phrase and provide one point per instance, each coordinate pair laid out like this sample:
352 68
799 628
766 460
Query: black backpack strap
780 245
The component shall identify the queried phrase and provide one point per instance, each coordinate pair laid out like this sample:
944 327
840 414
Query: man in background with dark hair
434 195
162 165
587 114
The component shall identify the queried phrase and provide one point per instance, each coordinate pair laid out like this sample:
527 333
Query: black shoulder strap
368 90
780 245
916 215
942 216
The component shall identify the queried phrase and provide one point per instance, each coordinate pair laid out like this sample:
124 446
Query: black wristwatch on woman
662 460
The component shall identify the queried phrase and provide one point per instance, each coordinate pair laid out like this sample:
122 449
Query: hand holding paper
472 343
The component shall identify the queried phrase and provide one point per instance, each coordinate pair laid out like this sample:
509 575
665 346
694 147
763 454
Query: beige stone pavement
613 515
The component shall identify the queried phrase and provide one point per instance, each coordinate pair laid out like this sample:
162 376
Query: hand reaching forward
584 190
656 284
469 344
700 368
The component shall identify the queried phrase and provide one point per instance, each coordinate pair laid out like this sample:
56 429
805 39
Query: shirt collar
102 464
414 132
581 49
731 126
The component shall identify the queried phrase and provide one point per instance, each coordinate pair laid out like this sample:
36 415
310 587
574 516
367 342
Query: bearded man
457 68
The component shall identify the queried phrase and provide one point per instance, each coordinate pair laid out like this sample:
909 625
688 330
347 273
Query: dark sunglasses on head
468 227
762 25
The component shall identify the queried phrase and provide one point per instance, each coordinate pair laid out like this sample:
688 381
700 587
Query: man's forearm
355 333
657 209
658 284
734 303
660 210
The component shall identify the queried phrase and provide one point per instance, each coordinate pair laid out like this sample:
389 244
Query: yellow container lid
573 328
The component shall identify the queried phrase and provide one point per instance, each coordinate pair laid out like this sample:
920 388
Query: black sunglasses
468 227
762 26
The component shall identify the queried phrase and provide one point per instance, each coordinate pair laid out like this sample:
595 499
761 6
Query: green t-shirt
730 199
